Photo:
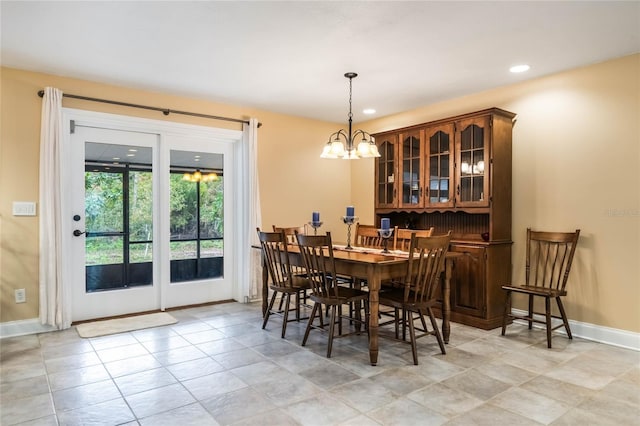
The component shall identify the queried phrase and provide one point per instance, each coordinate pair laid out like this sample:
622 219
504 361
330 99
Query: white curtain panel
52 294
255 213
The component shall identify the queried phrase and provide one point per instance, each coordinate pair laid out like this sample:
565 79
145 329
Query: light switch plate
24 208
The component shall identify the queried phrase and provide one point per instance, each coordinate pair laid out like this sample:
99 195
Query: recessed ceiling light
133 150
131 155
519 68
116 158
196 159
369 111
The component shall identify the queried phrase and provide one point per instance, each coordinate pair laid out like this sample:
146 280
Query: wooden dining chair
290 232
403 242
403 237
416 294
368 236
317 255
549 256
283 281
290 235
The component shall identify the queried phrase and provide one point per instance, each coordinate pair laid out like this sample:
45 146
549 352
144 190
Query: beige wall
294 181
576 162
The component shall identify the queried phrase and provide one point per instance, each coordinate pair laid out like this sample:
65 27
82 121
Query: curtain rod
165 111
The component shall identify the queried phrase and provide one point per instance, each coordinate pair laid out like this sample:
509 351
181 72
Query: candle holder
349 220
385 234
315 226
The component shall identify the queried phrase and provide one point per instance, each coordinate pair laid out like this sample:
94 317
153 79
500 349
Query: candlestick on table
349 220
315 226
385 234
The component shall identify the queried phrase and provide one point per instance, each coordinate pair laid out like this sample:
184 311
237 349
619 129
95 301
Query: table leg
373 281
446 300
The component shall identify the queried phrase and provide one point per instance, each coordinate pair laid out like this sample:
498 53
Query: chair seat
345 295
395 297
535 290
298 284
390 285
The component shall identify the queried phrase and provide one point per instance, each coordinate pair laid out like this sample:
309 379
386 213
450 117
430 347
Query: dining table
375 267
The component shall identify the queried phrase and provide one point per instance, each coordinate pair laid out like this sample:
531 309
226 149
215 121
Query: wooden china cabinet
455 174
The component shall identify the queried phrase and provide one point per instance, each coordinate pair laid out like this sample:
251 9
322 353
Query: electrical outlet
21 295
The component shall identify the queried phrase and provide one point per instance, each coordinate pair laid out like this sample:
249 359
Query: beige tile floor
216 366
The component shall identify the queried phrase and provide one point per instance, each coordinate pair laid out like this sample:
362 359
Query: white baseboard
597 333
23 327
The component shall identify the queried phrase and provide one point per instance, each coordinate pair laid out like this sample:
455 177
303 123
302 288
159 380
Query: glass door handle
78 232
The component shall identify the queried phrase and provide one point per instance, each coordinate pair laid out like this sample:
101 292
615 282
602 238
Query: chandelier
337 148
198 176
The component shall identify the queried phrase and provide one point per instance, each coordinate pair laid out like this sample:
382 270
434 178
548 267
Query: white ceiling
290 57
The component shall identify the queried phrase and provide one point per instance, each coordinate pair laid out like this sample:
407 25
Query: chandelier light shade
198 176
342 144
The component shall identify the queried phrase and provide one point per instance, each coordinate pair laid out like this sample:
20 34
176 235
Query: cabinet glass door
473 162
411 174
386 171
439 142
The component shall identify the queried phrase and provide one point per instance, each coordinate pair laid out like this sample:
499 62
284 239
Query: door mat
121 325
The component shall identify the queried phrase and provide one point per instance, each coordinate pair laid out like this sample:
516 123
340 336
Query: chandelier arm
342 133
336 135
361 132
